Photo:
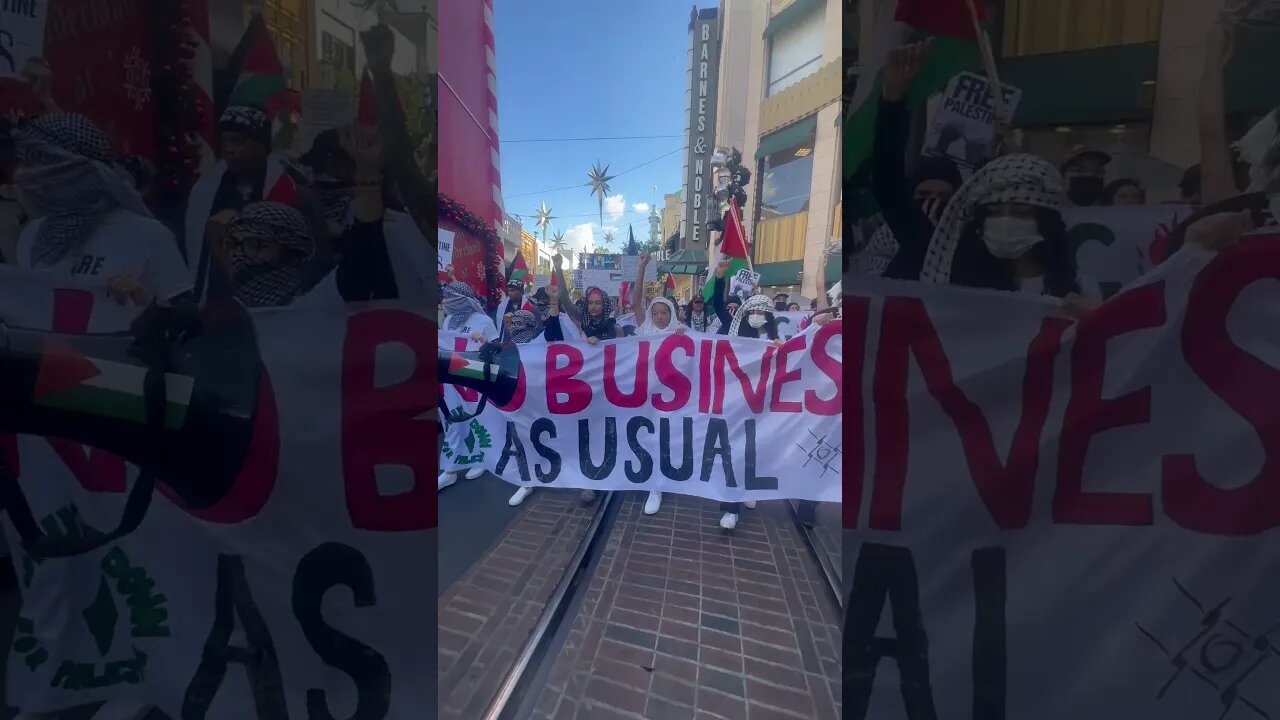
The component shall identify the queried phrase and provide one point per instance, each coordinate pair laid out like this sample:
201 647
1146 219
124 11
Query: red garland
178 111
469 222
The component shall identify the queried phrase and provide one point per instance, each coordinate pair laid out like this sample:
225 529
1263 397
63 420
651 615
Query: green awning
689 261
790 15
789 136
1120 86
788 273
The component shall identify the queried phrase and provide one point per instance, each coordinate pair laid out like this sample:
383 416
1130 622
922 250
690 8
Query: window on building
785 181
287 21
795 52
1034 27
337 53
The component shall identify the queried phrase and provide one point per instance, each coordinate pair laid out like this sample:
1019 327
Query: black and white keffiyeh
1260 150
68 177
756 303
1023 179
698 320
594 325
523 326
261 282
460 303
252 122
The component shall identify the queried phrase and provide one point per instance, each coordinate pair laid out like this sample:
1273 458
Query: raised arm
717 295
562 289
637 288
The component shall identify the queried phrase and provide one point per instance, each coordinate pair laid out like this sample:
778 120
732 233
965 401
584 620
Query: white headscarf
755 303
648 328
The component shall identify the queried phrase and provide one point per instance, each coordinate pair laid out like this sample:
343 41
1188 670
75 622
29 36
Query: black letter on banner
885 573
646 460
231 599
990 661
513 446
685 471
717 443
325 567
590 470
540 426
752 482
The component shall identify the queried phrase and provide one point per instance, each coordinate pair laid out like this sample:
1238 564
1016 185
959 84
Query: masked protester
246 173
780 302
595 308
514 301
338 178
1004 231
89 221
1085 170
464 315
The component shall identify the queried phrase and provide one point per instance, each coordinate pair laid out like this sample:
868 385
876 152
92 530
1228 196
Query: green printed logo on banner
126 597
475 443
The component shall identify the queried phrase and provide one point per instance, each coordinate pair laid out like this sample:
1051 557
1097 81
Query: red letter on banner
672 378
562 381
388 425
1250 386
829 366
1089 414
1006 489
640 387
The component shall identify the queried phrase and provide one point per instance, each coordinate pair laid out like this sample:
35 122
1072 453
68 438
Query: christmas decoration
178 115
600 178
453 211
543 220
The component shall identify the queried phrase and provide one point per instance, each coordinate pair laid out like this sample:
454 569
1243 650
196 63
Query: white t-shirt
477 323
123 242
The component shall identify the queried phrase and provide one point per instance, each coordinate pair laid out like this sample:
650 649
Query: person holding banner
464 314
1004 231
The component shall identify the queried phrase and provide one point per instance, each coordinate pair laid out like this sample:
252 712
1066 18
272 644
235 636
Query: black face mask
780 306
1085 190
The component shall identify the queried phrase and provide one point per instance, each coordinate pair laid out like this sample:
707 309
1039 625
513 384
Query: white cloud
641 207
614 206
579 237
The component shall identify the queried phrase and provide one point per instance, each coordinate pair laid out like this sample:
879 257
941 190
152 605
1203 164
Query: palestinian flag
670 291
68 380
733 245
519 270
367 108
461 366
260 77
955 49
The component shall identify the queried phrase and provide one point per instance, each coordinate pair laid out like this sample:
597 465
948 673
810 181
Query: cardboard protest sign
324 109
689 414
630 265
445 257
311 564
1035 505
963 128
743 282
22 24
1115 245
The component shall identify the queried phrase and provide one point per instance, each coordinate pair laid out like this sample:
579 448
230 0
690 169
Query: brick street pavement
684 621
488 615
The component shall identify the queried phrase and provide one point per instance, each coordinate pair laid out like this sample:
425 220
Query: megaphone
176 396
493 371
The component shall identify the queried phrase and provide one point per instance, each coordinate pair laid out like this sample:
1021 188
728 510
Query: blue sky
573 69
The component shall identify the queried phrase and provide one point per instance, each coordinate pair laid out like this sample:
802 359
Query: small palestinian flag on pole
67 380
519 271
260 76
670 290
733 246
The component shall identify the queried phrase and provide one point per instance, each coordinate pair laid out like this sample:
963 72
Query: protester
464 315
910 207
248 172
1125 191
780 302
1004 231
595 308
695 315
338 175
513 302
89 219
1084 170
793 307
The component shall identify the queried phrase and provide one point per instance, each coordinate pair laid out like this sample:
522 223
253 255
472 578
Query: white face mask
756 321
1009 238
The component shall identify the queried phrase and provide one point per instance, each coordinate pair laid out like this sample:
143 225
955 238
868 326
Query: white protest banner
21 34
1059 519
630 265
445 257
964 124
608 280
311 563
789 322
578 278
1114 245
743 282
688 414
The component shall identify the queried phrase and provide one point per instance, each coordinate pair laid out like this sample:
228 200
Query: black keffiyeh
523 326
594 326
258 281
460 303
68 178
247 120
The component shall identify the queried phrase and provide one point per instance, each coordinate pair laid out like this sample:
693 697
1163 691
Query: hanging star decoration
557 242
544 218
600 178
608 239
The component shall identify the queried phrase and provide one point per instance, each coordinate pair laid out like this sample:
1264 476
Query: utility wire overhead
587 184
589 139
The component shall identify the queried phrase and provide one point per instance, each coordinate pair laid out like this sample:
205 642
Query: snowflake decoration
137 79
